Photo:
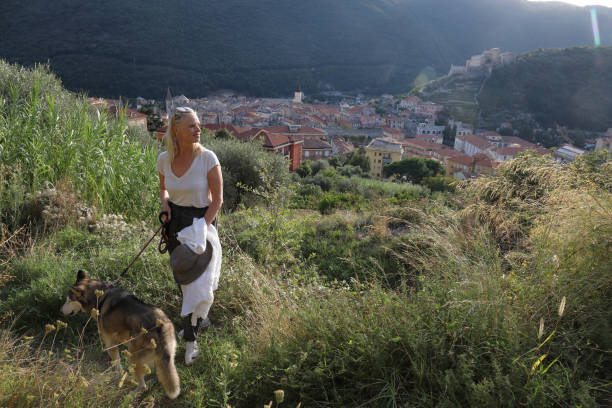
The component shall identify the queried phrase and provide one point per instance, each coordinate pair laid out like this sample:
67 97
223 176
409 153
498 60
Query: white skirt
198 295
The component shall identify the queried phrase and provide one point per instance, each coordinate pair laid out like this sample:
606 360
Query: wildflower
95 313
126 353
279 396
99 293
153 343
49 328
147 370
143 331
159 323
28 337
562 307
61 325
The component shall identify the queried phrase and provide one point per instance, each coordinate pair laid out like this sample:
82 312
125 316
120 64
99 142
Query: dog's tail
164 364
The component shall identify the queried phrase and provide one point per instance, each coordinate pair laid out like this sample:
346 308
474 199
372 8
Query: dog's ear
81 275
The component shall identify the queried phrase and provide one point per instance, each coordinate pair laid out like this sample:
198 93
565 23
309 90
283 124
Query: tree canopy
414 169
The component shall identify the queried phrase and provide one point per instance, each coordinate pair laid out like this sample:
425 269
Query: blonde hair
170 137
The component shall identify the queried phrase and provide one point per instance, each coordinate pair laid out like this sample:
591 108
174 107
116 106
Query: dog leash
162 247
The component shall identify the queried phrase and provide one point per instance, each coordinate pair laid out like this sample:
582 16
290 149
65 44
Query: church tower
169 104
298 95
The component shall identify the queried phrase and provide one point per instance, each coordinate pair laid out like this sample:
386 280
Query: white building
429 128
567 153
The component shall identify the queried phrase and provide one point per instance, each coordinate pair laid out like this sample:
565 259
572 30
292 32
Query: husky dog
123 319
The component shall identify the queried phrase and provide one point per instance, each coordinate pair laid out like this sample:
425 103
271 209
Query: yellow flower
49 328
95 313
99 293
61 325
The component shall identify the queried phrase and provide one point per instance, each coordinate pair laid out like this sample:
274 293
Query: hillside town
388 128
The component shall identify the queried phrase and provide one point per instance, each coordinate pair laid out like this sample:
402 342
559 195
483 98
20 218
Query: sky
606 3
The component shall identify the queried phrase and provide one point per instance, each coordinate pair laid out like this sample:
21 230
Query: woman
190 186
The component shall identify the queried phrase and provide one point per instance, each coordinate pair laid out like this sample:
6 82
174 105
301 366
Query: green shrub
438 183
304 170
248 171
318 165
332 201
306 196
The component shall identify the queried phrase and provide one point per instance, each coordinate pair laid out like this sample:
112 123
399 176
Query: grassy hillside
496 295
114 48
567 87
458 94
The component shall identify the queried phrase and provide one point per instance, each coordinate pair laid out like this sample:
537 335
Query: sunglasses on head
183 109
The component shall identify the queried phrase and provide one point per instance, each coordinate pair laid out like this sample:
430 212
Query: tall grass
55 137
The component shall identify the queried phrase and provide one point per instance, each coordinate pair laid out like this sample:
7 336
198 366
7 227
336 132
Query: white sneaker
191 352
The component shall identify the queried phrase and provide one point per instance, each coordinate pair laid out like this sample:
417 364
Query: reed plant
54 137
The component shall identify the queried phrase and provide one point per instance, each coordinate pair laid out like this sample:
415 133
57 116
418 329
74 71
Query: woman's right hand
166 209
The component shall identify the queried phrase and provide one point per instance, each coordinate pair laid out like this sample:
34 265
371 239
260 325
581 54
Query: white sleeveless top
191 189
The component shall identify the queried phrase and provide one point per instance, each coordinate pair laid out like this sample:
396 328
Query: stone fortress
482 64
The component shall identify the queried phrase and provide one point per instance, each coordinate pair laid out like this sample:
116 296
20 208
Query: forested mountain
139 47
567 87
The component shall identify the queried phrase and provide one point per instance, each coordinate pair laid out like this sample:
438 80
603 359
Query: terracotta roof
420 143
476 141
272 140
385 144
301 130
214 128
249 134
342 146
518 141
316 144
483 160
510 150
447 154
127 112
354 109
392 131
463 159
